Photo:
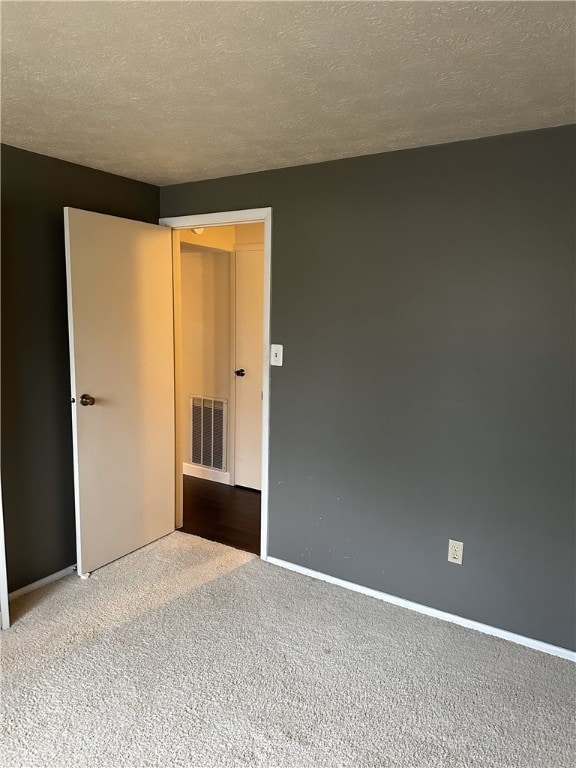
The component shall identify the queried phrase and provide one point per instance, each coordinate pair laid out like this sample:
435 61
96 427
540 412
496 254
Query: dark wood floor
224 513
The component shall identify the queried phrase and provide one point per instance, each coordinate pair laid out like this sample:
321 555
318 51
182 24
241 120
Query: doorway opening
121 281
126 380
221 340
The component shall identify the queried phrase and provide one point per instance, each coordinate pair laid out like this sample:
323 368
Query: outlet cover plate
455 551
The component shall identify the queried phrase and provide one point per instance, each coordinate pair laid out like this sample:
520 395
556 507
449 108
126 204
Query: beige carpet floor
187 653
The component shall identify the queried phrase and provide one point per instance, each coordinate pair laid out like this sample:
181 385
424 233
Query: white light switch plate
276 354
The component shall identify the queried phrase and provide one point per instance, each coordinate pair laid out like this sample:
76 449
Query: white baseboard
42 582
528 642
205 473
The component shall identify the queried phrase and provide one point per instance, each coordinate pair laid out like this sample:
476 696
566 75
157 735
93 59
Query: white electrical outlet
455 551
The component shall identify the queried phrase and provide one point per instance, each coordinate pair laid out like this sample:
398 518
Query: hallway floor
227 514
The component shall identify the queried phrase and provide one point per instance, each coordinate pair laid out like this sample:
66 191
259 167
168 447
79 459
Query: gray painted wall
37 474
425 300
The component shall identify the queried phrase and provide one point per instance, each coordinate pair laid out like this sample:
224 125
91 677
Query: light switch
276 354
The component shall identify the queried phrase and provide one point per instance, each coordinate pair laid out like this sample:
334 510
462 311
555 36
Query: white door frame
4 605
252 215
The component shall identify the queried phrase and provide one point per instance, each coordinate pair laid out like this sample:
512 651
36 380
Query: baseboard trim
205 473
42 582
503 634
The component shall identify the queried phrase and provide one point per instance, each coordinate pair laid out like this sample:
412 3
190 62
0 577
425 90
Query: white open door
120 316
248 354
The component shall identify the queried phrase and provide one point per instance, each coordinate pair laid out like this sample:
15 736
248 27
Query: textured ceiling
176 91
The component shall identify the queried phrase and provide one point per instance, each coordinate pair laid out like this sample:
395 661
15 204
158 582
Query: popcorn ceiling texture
168 92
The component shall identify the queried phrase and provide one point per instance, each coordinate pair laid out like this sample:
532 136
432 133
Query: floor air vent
209 428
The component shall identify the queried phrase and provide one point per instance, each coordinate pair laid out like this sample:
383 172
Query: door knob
240 372
87 400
